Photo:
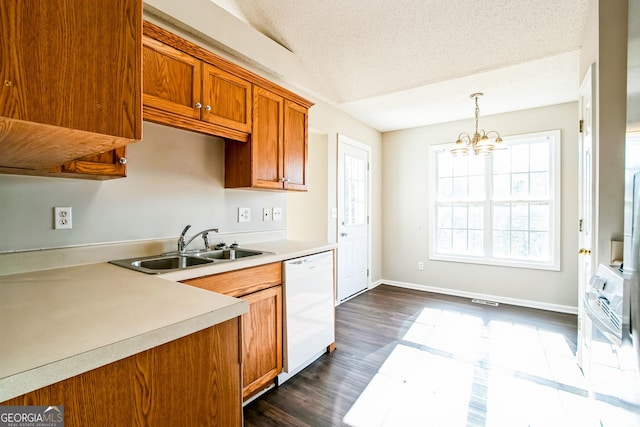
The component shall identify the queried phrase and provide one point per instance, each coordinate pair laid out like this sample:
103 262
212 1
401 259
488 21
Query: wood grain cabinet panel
276 156
192 381
70 80
183 90
262 340
261 326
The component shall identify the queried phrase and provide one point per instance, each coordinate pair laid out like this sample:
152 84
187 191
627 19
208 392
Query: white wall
174 178
405 212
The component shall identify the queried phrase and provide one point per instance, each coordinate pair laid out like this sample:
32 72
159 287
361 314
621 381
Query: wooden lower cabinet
262 340
192 381
261 287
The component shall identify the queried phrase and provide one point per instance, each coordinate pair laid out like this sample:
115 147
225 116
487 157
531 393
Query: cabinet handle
198 105
207 108
123 160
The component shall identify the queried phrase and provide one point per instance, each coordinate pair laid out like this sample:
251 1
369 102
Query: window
502 209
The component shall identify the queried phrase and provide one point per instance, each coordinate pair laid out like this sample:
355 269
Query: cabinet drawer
241 282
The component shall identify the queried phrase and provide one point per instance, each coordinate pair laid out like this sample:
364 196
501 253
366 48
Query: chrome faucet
182 245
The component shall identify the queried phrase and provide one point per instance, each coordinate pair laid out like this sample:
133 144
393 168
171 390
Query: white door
586 194
353 218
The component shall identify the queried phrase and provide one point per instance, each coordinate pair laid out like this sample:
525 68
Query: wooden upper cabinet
267 139
184 90
276 157
295 145
71 75
226 99
171 79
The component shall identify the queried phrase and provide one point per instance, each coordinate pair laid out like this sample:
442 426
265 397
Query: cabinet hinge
581 125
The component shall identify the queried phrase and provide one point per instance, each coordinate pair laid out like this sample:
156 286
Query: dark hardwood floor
412 358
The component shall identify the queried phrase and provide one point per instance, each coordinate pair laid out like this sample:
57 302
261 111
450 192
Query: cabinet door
226 99
267 139
110 164
262 339
73 64
171 80
191 381
295 147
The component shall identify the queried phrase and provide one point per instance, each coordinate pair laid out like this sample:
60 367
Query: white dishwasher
309 311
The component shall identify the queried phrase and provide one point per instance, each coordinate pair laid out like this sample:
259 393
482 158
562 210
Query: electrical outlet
244 214
277 214
266 214
420 265
62 218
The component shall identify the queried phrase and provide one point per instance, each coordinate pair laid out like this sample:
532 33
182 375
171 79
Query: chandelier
479 142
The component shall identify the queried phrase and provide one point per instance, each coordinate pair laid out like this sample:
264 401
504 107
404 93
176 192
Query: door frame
342 141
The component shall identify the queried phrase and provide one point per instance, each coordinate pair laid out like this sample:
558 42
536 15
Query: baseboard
376 283
504 300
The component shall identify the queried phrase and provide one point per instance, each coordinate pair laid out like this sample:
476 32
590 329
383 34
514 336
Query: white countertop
58 323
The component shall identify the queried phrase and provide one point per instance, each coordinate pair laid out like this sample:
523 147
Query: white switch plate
62 218
277 214
244 214
420 265
266 214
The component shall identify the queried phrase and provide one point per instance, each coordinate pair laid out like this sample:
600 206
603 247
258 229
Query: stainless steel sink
228 254
175 261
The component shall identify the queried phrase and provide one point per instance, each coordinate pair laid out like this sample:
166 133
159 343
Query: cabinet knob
123 160
198 105
207 108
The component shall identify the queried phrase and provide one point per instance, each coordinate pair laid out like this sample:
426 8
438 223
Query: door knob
584 251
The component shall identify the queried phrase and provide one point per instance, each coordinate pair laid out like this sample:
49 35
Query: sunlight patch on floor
452 369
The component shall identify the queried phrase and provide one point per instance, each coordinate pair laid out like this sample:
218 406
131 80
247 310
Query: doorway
354 233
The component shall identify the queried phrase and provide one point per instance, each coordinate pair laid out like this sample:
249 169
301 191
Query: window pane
460 241
539 217
445 188
539 247
476 188
460 188
476 217
444 241
477 165
501 161
445 164
444 217
539 156
501 244
476 242
501 187
520 185
519 158
501 216
540 185
519 244
519 216
460 216
460 166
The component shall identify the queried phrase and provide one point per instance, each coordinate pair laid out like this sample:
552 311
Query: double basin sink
178 261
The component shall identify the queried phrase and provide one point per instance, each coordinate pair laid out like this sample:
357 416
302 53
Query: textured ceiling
406 63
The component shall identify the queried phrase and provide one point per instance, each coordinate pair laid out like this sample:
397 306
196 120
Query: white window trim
556 231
